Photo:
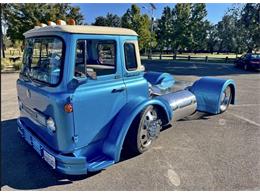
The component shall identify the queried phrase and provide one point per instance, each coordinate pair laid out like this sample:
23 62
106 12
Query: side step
99 162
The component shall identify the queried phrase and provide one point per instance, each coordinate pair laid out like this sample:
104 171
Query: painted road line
245 119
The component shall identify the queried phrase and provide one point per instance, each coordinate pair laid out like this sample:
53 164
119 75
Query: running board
99 162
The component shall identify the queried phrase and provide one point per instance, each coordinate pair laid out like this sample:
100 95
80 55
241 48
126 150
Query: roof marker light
71 22
43 25
61 22
50 23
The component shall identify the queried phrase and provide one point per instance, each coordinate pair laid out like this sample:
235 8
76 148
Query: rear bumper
70 165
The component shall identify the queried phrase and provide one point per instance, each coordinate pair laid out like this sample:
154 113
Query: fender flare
208 92
112 145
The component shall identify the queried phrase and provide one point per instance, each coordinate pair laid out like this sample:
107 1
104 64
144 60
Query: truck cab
83 96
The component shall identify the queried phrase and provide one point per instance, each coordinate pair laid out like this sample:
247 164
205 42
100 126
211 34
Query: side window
80 59
106 53
95 57
130 57
36 55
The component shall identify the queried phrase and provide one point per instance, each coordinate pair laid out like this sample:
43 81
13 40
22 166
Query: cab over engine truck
83 96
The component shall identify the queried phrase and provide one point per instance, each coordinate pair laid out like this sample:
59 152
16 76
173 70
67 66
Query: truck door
97 102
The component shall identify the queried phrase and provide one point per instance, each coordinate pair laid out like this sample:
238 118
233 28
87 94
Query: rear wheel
225 99
144 130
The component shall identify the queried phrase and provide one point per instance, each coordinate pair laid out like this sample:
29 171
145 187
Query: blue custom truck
84 96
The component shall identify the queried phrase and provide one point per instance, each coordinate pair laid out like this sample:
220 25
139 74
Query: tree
109 20
23 17
141 24
199 26
226 28
239 32
181 27
164 30
2 50
250 21
212 39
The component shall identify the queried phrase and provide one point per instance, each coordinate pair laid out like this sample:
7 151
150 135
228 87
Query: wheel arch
114 141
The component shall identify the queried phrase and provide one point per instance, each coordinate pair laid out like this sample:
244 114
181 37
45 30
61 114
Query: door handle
118 90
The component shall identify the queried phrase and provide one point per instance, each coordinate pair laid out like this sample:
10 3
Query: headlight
51 124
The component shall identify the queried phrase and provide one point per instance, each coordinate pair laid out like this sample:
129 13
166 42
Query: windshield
43 58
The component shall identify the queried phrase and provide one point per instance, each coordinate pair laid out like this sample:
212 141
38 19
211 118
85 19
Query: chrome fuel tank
183 103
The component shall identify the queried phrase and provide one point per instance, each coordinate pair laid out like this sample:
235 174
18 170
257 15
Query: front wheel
144 130
225 99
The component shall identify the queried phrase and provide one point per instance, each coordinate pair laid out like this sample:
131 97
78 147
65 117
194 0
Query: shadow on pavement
193 68
22 168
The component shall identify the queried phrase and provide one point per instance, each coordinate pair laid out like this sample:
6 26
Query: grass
203 55
200 57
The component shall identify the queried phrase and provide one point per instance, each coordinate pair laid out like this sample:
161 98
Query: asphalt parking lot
213 153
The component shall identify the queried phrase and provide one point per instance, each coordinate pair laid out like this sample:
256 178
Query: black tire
135 142
226 97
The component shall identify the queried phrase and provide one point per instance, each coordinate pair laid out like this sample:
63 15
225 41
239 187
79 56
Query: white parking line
245 119
242 105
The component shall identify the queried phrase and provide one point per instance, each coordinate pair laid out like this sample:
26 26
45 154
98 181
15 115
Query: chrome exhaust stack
183 103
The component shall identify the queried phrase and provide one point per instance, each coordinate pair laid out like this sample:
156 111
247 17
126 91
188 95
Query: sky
92 10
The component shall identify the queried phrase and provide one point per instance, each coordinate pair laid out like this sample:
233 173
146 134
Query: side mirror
75 82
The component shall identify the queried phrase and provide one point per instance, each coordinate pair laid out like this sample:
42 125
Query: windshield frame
61 66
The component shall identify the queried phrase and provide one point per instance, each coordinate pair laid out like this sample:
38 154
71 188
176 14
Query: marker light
68 107
61 22
43 25
50 23
71 22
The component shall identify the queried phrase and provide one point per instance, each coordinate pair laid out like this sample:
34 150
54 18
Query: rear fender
208 92
113 144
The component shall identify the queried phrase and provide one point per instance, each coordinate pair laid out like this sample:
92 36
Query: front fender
113 144
208 91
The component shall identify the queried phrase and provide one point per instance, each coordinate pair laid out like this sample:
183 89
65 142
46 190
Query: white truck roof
81 29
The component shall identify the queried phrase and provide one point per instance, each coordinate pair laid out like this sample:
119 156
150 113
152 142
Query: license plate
49 159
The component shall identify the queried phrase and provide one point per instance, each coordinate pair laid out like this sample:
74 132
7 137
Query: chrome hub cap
225 99
150 128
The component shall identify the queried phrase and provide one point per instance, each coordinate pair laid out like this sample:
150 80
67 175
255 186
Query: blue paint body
161 80
91 137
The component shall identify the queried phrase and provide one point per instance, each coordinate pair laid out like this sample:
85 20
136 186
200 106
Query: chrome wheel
150 127
225 99
144 130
